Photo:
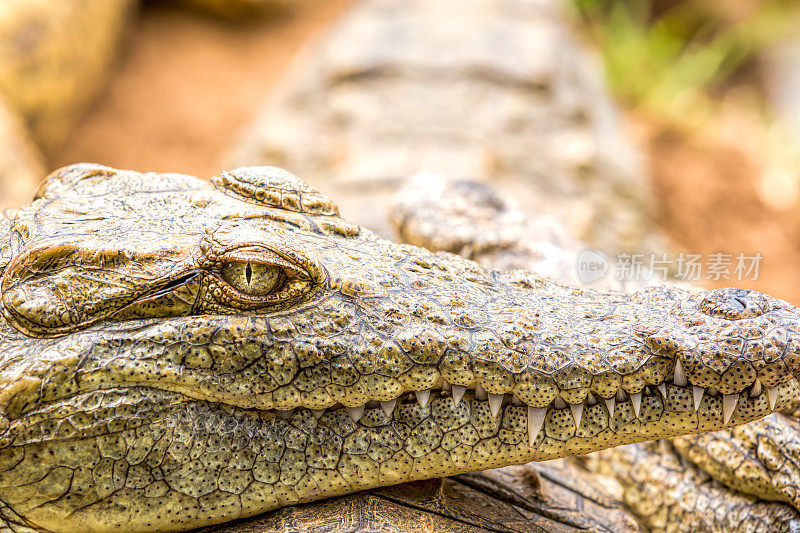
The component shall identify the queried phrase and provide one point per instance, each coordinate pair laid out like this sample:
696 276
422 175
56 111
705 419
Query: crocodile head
177 353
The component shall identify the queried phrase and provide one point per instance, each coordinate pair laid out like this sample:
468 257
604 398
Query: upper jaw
438 363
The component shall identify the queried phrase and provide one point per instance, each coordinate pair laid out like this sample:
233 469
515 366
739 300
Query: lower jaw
560 430
301 457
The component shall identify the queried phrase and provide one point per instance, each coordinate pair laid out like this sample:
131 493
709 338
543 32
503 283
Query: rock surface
54 56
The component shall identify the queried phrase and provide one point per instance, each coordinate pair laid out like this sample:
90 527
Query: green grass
668 63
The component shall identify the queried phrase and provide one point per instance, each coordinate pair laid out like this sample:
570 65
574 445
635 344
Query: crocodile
178 353
735 471
673 495
552 496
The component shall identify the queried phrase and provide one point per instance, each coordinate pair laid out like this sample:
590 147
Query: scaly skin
178 353
672 496
761 458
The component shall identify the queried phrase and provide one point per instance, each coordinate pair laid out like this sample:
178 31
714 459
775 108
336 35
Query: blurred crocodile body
502 92
177 353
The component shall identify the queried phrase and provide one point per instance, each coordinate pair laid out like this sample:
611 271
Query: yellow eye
253 279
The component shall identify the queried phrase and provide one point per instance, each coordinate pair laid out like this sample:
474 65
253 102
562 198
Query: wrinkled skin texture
760 458
473 220
671 495
148 379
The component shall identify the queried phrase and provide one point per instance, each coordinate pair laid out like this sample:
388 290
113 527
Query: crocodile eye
258 278
251 278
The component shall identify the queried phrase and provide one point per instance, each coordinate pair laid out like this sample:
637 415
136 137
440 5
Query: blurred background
665 118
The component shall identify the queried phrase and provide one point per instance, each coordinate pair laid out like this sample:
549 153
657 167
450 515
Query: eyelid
261 256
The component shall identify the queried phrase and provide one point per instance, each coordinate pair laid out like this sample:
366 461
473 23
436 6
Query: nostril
734 304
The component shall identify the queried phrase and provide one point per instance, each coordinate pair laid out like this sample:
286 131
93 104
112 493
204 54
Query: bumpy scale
177 353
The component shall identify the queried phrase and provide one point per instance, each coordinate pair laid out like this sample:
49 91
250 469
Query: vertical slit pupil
248 272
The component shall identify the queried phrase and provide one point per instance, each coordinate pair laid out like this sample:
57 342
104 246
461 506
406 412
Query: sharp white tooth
445 385
728 406
317 412
636 401
423 396
577 412
663 389
559 402
535 422
458 393
697 394
480 394
772 394
621 395
388 407
495 401
285 414
756 390
355 412
680 375
610 406
590 399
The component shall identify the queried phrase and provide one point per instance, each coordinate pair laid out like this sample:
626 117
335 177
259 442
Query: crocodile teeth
535 422
423 396
728 405
697 394
772 394
495 401
559 402
317 413
577 412
355 412
458 393
620 395
590 399
663 389
445 385
388 407
680 375
636 401
610 406
480 394
756 390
